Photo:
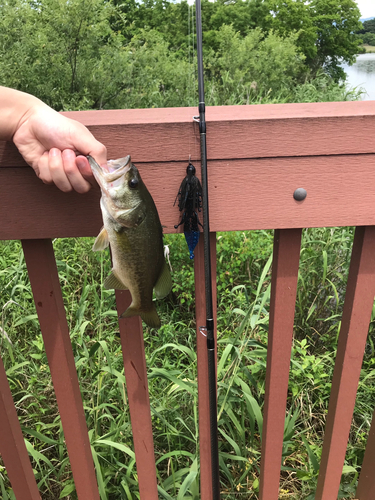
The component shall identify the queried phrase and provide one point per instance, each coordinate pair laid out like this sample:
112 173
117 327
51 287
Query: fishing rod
207 266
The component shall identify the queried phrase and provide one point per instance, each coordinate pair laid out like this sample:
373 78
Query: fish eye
133 183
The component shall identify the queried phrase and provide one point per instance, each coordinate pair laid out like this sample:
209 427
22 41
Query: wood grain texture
243 194
359 300
366 482
12 445
273 130
286 252
44 280
202 362
133 353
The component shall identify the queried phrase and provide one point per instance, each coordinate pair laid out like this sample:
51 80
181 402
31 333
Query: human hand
48 141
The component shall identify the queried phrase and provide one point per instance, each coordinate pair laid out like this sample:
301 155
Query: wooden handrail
258 156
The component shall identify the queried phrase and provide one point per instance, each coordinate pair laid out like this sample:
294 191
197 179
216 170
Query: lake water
362 74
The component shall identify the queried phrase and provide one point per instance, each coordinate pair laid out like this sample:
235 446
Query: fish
132 229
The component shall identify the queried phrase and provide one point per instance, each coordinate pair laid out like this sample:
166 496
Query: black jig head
189 199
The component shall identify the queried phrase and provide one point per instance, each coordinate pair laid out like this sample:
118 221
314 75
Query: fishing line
192 74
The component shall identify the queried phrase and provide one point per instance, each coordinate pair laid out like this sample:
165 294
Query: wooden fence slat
286 253
359 299
133 352
12 445
49 304
366 483
202 361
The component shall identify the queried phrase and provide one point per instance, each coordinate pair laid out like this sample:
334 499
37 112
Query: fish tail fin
150 317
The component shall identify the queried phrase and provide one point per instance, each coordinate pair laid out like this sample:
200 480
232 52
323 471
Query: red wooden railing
258 156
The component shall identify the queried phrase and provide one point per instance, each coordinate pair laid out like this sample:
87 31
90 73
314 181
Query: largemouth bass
132 228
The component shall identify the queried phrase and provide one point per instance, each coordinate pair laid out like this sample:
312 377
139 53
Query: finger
42 169
56 168
99 152
73 173
85 169
85 143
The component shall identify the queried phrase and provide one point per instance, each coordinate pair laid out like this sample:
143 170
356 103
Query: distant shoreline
368 49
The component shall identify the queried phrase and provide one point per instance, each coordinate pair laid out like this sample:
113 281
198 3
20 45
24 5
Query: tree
335 22
55 49
253 67
368 27
294 16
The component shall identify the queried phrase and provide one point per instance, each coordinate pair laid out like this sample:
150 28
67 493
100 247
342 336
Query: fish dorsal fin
101 241
113 282
164 284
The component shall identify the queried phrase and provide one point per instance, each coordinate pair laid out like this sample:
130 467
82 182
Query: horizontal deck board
267 131
243 194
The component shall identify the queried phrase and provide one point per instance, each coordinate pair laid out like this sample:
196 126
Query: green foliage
325 31
295 16
51 49
367 27
243 69
368 38
243 276
91 54
323 88
335 22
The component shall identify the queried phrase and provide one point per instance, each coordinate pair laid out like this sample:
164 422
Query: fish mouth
112 171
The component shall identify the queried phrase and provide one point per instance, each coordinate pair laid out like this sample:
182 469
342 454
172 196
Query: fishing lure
189 199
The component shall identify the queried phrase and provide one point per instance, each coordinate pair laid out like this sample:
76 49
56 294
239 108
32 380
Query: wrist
15 109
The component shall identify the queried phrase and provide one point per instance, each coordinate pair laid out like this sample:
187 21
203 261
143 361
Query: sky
367 8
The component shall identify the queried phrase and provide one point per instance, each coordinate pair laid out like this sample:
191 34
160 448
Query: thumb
99 152
94 148
86 144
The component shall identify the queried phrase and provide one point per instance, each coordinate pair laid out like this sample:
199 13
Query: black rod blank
207 268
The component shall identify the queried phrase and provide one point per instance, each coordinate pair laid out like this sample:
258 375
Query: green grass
369 48
243 277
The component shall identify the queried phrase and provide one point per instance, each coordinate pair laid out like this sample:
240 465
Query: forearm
15 107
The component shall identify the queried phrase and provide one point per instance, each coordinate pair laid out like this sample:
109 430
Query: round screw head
299 194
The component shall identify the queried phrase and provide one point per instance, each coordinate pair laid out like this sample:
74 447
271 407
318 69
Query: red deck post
202 362
45 285
133 353
12 445
287 245
366 483
356 317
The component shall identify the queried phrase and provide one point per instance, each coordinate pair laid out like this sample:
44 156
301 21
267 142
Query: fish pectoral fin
150 317
113 282
164 284
101 241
